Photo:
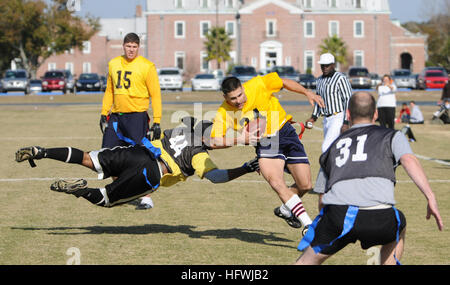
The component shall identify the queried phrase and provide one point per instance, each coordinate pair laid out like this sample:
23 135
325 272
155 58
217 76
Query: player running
141 168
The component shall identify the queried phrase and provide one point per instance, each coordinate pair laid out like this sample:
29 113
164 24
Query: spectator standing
386 102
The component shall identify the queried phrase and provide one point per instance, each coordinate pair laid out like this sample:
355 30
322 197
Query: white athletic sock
296 206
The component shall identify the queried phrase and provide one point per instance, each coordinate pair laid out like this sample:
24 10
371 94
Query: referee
335 90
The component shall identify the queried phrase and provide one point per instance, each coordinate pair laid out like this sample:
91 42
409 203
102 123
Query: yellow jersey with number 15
130 86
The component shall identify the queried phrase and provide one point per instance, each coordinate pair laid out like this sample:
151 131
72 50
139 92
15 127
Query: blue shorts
284 145
132 126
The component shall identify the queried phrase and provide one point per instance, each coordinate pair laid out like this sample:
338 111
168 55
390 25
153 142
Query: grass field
195 222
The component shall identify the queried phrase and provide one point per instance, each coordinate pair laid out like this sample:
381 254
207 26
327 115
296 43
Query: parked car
104 82
359 78
307 81
219 74
205 81
287 72
16 80
170 78
403 78
35 86
375 79
70 81
54 80
243 73
432 78
88 82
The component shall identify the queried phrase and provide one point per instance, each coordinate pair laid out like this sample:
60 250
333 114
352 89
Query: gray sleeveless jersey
360 166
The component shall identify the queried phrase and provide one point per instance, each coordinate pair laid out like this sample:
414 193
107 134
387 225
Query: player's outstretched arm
412 166
225 175
296 87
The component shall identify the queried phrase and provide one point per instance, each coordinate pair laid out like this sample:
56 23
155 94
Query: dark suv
244 73
359 78
54 80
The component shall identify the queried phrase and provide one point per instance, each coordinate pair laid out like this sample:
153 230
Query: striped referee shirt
335 91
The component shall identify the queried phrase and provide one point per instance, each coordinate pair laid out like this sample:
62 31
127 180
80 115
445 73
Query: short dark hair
230 84
362 105
131 38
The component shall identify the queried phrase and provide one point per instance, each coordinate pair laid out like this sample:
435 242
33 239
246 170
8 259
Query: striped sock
296 206
65 154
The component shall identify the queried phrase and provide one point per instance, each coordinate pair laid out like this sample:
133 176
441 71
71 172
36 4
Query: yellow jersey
130 86
259 91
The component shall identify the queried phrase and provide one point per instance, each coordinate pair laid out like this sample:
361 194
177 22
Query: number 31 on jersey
344 146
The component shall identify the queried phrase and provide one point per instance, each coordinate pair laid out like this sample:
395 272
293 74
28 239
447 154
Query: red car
54 80
433 79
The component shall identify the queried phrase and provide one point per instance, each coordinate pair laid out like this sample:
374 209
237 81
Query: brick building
264 33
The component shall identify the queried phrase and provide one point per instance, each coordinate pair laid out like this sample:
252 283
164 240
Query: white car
205 81
170 78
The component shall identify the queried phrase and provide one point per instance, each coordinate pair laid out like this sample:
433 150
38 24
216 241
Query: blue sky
403 10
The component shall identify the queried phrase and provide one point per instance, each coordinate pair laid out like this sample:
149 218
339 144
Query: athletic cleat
305 229
68 186
292 220
30 153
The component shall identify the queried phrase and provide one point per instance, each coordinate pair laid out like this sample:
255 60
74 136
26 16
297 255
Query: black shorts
130 126
371 228
136 169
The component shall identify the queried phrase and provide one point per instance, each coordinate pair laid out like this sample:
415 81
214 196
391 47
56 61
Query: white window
358 58
358 29
87 47
229 3
230 28
69 66
271 27
309 60
333 28
204 3
287 60
86 67
204 63
254 62
357 4
180 29
51 66
178 3
332 3
204 28
309 29
179 59
308 3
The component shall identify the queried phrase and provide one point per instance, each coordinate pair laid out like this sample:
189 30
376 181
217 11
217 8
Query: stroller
442 114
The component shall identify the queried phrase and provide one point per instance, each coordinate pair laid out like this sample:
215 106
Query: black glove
251 165
103 123
156 130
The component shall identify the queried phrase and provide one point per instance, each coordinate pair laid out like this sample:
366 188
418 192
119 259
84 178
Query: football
258 125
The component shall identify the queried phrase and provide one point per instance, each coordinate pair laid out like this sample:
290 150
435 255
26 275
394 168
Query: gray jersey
368 191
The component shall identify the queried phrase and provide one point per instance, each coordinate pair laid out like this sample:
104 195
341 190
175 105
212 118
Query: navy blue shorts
284 145
132 126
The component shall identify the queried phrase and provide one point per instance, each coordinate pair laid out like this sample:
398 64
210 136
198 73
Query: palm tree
337 47
218 45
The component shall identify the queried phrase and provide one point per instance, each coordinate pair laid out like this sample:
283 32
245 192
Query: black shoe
31 152
292 220
68 186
